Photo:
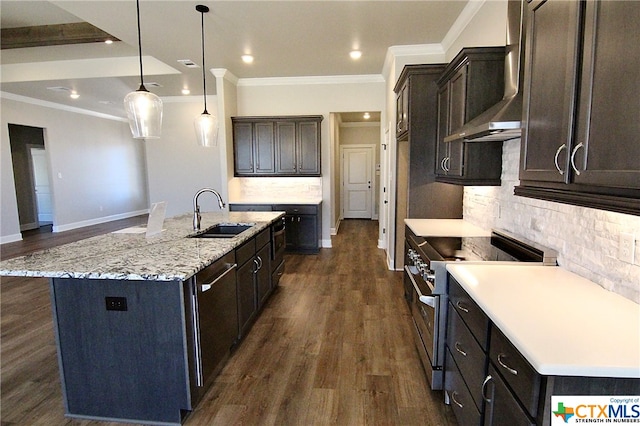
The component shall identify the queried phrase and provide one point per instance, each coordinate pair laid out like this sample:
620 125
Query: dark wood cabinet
302 222
402 108
467 344
277 146
581 105
416 94
253 279
471 83
511 392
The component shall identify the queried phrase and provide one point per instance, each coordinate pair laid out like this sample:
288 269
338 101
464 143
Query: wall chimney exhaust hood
502 121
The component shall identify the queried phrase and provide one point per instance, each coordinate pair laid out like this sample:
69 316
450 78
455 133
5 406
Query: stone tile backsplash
586 239
275 189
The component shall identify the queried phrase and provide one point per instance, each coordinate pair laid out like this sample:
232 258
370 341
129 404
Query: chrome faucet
196 207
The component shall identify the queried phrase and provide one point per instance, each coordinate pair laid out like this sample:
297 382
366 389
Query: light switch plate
626 247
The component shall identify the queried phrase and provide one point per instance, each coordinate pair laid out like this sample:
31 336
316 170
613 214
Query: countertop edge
473 284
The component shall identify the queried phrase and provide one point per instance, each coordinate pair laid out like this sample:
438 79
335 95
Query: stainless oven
426 285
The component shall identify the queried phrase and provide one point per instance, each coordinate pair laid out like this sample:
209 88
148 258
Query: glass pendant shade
206 126
144 110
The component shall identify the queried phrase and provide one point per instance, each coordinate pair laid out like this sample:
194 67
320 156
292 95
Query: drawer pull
484 387
461 307
457 346
453 398
505 366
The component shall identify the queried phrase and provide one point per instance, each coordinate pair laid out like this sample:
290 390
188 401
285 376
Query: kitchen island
143 325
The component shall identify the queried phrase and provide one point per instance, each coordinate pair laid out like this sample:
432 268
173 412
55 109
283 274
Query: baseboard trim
10 238
326 244
334 231
97 221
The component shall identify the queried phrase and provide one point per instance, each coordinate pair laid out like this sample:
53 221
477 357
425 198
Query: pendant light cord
140 47
204 79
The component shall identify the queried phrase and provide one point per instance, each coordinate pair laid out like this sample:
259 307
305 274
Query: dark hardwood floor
333 346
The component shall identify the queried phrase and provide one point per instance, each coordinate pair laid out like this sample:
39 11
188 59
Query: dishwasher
214 321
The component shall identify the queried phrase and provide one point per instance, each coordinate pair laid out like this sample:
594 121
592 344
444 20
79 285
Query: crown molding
472 7
224 74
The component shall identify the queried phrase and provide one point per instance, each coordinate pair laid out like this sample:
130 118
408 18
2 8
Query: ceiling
287 39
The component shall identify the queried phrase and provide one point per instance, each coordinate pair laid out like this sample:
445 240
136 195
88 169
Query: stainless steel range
426 285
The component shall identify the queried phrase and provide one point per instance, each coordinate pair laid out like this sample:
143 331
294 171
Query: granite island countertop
168 256
562 323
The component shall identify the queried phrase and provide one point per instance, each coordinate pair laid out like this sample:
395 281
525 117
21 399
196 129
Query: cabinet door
263 274
458 99
243 148
286 147
246 296
549 89
501 406
402 110
607 151
308 147
307 232
264 148
442 148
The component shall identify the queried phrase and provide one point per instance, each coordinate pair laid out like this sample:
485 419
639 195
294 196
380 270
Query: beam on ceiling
52 35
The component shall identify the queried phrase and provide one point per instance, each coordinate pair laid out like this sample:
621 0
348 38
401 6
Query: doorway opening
31 177
356 172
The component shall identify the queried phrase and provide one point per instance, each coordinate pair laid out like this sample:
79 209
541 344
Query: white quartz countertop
563 324
445 228
286 199
168 256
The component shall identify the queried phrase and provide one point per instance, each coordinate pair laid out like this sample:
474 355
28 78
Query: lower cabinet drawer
501 407
468 355
462 403
516 371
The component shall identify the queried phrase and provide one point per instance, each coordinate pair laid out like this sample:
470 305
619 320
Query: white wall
313 97
177 166
586 239
102 168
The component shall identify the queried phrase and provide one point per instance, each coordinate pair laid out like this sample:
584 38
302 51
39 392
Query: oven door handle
427 300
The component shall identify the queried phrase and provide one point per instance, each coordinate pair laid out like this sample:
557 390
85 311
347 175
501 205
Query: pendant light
206 125
144 109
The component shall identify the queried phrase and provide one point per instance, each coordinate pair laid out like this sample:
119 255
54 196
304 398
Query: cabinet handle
484 387
447 163
259 263
461 307
208 286
555 159
457 346
573 158
298 218
505 366
453 398
442 164
255 262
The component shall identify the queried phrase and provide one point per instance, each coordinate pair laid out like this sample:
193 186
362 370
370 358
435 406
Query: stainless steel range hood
502 121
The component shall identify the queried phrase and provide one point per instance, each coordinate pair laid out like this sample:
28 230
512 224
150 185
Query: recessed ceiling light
355 54
186 91
74 95
108 41
366 116
247 59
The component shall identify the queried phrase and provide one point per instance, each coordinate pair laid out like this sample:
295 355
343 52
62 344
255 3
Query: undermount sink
223 230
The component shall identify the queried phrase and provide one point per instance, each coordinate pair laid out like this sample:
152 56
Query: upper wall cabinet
582 104
276 146
471 83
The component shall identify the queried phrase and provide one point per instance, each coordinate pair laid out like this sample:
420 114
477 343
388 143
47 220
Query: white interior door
41 184
357 175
